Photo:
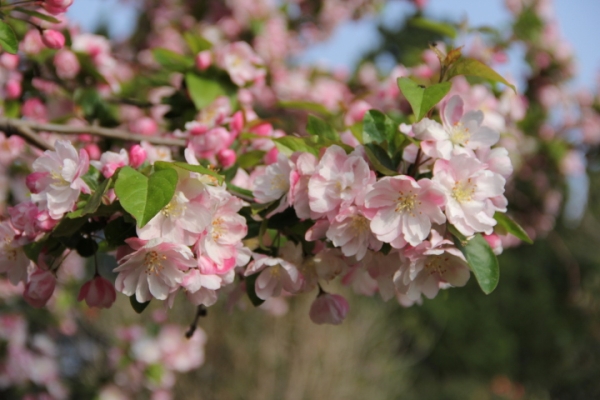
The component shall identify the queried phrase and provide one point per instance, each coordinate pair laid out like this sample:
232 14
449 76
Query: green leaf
50 244
434 26
380 159
200 169
250 159
36 14
251 290
172 61
472 67
196 43
290 144
12 108
422 99
136 305
203 91
512 227
306 106
143 197
318 127
240 192
68 226
8 39
377 127
96 200
482 261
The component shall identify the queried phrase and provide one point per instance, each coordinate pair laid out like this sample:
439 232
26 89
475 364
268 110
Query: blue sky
578 22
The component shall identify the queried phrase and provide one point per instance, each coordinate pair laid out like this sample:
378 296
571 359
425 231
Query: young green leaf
290 144
472 67
196 43
318 127
422 99
250 158
378 128
380 159
482 261
200 169
144 197
8 39
512 227
172 61
42 16
306 106
203 91
96 198
434 26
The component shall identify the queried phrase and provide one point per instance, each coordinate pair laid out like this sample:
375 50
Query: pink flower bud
39 288
495 243
93 151
9 61
98 292
53 39
45 222
13 89
271 156
262 129
144 126
32 42
203 60
55 7
329 309
226 157
36 181
237 123
33 108
67 64
137 156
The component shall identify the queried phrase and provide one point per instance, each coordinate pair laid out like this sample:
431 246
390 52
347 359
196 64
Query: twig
92 130
25 132
200 312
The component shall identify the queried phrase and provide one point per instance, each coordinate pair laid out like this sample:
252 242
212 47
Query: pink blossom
144 126
98 292
201 288
433 264
404 209
59 180
156 153
39 288
210 143
243 65
9 61
495 243
154 269
34 109
473 193
304 168
329 309
66 64
13 260
458 130
53 39
24 219
57 6
277 273
274 182
339 181
32 42
13 89
226 157
110 162
350 231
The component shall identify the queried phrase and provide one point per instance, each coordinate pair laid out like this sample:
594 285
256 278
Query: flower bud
66 64
53 39
144 126
39 288
36 182
13 89
55 7
329 309
9 61
203 60
137 156
98 292
226 157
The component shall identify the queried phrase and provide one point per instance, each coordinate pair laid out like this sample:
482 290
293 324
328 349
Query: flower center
275 271
459 134
463 191
218 228
406 203
153 262
279 183
436 265
174 209
359 224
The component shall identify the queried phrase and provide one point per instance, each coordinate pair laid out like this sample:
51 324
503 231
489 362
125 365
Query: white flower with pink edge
154 269
403 209
473 193
458 130
57 176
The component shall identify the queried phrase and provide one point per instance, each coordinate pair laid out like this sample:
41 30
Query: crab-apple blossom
53 39
13 260
98 292
329 309
350 231
404 209
154 269
39 287
57 177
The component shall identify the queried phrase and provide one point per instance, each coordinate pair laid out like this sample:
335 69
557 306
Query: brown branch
20 125
25 132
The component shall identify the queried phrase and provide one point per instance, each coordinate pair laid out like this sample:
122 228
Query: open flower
154 269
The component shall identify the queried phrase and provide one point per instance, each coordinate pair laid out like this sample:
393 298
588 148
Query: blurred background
536 337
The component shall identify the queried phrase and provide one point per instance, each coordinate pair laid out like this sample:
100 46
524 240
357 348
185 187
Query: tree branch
25 132
24 128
